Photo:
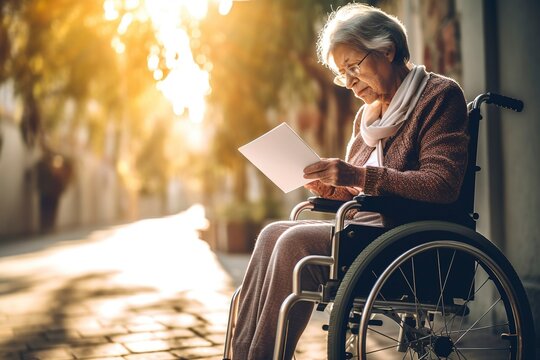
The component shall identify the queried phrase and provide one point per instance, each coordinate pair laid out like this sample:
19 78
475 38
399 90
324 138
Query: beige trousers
268 281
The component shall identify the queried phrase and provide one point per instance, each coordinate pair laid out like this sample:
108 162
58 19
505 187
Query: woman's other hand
335 172
320 189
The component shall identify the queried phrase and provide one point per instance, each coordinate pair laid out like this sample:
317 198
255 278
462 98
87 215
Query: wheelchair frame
457 218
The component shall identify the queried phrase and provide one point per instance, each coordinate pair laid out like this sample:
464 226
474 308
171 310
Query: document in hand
281 155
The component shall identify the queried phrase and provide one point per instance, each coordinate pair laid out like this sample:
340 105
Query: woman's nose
350 81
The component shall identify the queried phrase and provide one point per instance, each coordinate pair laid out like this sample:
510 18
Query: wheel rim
449 334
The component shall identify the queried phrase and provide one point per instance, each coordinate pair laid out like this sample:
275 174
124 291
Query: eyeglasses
352 71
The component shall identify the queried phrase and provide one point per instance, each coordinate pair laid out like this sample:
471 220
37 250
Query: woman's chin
367 99
366 96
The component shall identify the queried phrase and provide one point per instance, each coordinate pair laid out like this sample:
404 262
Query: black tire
443 240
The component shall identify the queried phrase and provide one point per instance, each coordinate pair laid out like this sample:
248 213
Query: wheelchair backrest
466 195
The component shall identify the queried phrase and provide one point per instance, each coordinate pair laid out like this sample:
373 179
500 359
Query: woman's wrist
361 178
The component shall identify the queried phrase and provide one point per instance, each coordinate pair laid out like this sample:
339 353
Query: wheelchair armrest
413 210
399 210
325 205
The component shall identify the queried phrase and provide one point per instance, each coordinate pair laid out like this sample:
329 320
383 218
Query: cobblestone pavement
146 290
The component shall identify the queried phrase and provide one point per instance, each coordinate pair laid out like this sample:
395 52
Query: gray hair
365 28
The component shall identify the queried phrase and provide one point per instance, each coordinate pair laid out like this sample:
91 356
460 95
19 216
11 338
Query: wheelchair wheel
431 290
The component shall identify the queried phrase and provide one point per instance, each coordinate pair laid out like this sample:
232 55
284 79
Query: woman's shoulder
438 84
441 90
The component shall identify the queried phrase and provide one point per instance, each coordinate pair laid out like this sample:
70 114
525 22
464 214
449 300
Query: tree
58 55
263 60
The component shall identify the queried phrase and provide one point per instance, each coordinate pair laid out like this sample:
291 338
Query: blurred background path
146 290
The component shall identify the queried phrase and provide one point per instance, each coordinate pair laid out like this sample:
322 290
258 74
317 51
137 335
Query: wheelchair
429 287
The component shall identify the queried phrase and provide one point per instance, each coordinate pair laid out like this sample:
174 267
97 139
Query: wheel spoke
471 288
381 349
443 286
424 356
477 321
386 336
405 354
482 349
376 277
480 328
459 352
468 301
413 290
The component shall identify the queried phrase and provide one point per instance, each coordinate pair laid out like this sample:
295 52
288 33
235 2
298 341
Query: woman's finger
316 167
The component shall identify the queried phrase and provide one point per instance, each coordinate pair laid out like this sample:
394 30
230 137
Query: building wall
519 76
499 55
18 199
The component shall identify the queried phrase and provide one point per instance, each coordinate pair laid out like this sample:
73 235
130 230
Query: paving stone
9 355
28 331
73 310
209 329
66 334
35 342
216 339
45 344
173 333
198 353
99 350
188 343
106 331
163 345
216 318
158 335
82 322
29 320
146 327
6 333
147 346
143 336
178 320
152 356
52 354
153 309
129 319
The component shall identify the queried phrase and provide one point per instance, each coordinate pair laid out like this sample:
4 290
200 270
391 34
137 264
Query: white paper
281 155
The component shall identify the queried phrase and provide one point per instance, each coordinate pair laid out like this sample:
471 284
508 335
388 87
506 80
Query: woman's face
374 75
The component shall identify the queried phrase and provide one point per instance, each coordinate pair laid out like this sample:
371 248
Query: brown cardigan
426 159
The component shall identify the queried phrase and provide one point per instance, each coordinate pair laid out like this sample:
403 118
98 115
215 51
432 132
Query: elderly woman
409 140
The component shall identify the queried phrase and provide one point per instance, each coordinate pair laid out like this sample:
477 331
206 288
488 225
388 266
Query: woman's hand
319 189
335 172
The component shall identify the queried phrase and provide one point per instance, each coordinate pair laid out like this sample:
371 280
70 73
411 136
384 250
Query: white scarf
374 129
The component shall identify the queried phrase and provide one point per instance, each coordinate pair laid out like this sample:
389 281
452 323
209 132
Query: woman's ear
390 53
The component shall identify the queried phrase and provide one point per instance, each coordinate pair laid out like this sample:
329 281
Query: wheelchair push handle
505 102
496 99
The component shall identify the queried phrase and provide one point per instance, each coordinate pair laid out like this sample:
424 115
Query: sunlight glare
225 6
183 81
131 4
124 23
197 8
186 85
109 7
118 45
153 62
158 74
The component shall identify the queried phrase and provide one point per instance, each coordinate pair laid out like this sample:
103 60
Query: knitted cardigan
426 159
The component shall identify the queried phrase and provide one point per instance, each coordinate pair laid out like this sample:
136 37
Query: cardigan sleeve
442 153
